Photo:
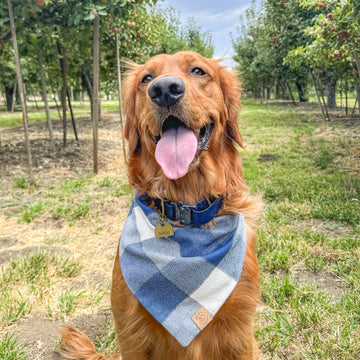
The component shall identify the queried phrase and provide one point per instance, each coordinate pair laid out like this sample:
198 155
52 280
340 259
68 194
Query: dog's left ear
129 97
231 88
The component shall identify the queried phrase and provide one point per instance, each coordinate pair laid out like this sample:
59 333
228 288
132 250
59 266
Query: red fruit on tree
324 24
115 30
138 32
329 16
323 31
40 2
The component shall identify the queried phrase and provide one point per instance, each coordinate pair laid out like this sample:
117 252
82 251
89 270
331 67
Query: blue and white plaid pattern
174 277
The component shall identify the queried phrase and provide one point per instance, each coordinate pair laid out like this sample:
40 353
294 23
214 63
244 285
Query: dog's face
181 113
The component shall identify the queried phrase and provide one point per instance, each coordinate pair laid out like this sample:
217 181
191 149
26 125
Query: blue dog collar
199 214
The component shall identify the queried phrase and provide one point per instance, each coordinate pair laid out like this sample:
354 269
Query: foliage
264 39
51 30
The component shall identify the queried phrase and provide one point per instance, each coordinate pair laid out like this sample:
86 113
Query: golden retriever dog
182 130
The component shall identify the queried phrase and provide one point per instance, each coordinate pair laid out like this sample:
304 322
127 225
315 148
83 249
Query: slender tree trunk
62 54
89 89
44 96
317 93
56 104
275 90
357 61
36 103
341 95
330 85
9 93
301 91
346 97
14 97
21 91
284 89
357 87
353 110
119 91
72 116
290 92
96 91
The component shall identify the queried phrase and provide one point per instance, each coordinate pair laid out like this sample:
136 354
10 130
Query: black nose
166 91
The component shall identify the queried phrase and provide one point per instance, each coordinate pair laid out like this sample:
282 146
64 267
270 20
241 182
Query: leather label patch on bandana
201 318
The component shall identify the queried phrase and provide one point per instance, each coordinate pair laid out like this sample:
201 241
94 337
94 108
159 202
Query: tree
334 45
21 90
263 41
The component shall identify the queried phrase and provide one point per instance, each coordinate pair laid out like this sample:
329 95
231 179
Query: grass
10 350
11 119
308 184
308 241
26 282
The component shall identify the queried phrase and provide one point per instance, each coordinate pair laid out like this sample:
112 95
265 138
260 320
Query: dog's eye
198 71
146 79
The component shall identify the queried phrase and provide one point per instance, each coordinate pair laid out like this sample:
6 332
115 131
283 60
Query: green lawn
308 244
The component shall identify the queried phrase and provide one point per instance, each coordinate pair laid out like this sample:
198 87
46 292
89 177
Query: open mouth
178 146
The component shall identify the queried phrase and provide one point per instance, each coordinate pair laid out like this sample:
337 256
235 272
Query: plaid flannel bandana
182 280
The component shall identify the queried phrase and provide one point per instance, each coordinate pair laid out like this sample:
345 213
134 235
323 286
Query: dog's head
181 125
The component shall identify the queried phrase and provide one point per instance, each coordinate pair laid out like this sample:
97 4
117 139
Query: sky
220 17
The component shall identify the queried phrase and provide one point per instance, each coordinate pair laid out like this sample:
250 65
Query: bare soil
94 241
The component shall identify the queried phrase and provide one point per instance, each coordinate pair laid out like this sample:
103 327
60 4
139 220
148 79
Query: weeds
33 275
68 301
10 350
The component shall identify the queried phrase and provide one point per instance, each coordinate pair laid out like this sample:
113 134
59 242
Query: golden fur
215 98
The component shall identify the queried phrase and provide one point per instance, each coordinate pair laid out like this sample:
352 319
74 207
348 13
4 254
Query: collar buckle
183 213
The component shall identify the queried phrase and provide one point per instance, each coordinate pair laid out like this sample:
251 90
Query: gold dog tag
163 229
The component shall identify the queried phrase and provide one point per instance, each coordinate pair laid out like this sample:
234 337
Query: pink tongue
175 151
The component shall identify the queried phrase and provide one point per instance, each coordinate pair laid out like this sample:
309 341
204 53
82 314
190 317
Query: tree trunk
72 115
62 54
330 86
317 93
21 91
119 91
96 91
290 92
13 101
44 96
284 89
9 93
301 91
346 97
357 61
87 83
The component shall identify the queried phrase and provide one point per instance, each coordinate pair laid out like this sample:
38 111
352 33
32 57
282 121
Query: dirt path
91 239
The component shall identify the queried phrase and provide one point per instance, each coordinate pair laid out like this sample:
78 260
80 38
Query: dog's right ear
129 98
